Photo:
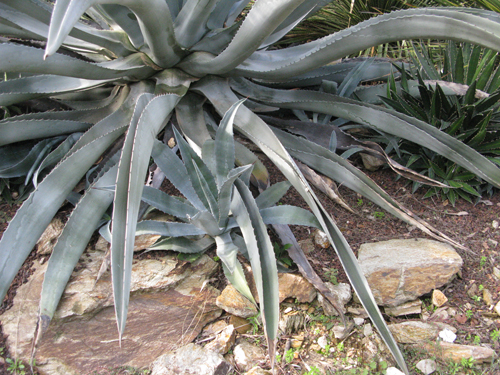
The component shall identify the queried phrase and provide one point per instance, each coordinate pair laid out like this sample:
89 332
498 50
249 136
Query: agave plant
123 68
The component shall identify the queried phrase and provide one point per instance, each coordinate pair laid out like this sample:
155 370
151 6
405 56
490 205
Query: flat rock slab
402 270
159 320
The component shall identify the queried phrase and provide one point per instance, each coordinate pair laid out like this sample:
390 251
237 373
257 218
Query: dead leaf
461 318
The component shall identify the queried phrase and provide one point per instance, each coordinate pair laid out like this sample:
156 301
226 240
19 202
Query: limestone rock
438 298
403 270
408 308
223 341
241 325
295 286
487 297
213 329
413 332
191 359
247 355
292 321
341 292
497 308
234 303
49 237
427 366
370 162
359 321
307 245
370 349
456 352
341 332
321 239
157 322
394 371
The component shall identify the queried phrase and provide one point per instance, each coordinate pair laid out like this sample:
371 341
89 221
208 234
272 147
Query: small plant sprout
379 215
289 355
332 274
482 261
495 335
477 340
469 314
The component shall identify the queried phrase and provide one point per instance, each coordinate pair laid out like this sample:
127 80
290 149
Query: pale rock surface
359 321
323 342
247 355
455 352
321 239
307 245
160 318
223 341
370 349
447 336
413 332
370 162
497 308
438 298
191 359
402 270
342 294
341 332
488 297
408 308
241 325
235 303
49 237
427 366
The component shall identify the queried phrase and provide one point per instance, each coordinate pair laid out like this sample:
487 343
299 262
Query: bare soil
472 225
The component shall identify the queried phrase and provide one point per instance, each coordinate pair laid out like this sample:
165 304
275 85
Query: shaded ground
469 224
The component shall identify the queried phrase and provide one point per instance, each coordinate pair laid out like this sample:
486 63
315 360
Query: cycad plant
123 69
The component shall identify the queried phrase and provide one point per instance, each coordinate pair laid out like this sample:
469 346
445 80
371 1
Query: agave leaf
168 204
201 178
220 13
272 195
37 211
176 172
71 245
473 27
289 215
238 280
191 22
259 23
167 229
17 90
184 245
189 115
224 145
126 20
34 157
129 184
381 119
219 93
19 58
206 221
216 41
244 156
227 251
262 260
225 193
154 19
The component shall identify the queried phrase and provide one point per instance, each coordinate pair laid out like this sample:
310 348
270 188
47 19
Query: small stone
408 308
394 371
427 366
294 343
440 314
487 297
367 330
447 336
323 342
311 310
370 349
287 310
412 332
171 142
341 332
457 353
494 224
321 239
190 359
438 298
241 325
234 303
341 293
49 237
370 162
315 347
246 355
359 321
496 273
472 291
452 312
359 311
497 308
214 328
223 341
